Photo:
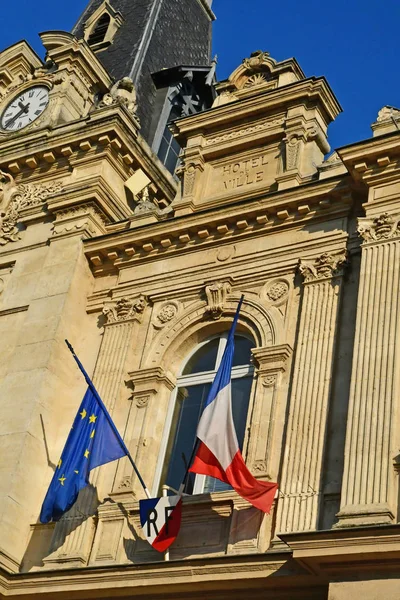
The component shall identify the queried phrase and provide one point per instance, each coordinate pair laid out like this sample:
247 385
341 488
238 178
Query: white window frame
195 379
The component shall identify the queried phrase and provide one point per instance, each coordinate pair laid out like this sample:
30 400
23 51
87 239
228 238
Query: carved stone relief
216 298
292 152
383 227
189 172
166 313
126 309
277 290
123 92
13 199
323 267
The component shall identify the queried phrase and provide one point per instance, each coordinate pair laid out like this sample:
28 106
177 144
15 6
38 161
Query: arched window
99 31
187 405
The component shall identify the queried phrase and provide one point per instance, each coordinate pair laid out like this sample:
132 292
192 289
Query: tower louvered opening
99 32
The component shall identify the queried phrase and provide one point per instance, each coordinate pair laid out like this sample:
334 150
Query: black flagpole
109 419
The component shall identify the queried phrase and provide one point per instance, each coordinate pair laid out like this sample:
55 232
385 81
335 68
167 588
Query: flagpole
106 414
196 445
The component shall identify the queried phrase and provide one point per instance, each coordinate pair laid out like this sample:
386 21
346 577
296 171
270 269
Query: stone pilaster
263 453
73 535
151 394
369 482
300 486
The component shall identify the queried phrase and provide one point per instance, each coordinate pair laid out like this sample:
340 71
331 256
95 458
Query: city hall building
140 197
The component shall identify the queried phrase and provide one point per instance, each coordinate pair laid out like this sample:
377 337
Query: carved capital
126 309
271 360
217 294
323 267
384 227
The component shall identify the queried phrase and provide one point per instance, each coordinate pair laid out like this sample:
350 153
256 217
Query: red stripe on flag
205 463
260 494
164 540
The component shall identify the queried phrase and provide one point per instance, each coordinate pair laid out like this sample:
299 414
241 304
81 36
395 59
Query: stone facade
101 245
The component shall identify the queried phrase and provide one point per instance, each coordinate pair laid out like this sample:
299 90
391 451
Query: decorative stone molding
126 309
13 199
125 485
217 293
252 129
260 469
292 151
84 217
324 266
384 227
142 401
123 92
268 381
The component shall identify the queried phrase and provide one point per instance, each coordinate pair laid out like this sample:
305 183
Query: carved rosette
14 199
277 291
126 309
384 227
217 293
324 267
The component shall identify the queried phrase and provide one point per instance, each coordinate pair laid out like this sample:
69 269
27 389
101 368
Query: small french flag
218 454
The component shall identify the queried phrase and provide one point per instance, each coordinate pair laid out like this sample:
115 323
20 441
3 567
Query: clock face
25 108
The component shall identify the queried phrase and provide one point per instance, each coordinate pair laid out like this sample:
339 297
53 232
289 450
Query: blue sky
354 43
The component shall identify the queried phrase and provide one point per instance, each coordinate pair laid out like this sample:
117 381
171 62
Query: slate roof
182 35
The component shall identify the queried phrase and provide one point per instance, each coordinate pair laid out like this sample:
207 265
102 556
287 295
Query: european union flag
93 441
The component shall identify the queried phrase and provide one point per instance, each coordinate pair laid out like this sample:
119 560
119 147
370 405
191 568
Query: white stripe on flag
216 429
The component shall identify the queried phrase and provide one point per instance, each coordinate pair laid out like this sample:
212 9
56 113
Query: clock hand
23 110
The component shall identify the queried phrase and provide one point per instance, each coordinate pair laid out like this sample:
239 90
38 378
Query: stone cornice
373 160
231 222
175 579
108 130
265 102
353 549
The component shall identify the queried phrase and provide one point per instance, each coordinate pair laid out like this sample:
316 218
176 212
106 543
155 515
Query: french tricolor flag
218 454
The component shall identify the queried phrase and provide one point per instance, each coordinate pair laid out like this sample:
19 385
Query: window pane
162 151
188 409
240 406
204 359
171 161
242 355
